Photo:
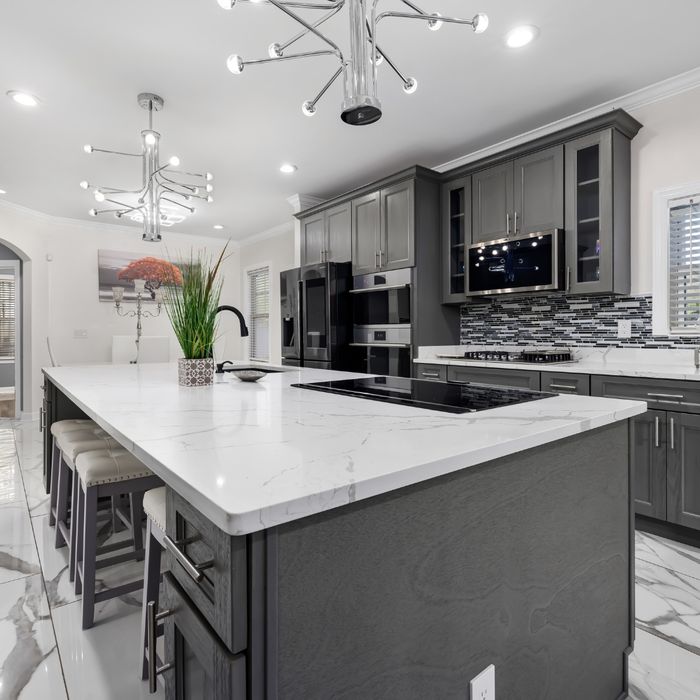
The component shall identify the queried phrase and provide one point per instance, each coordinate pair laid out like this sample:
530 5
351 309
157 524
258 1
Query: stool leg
136 500
74 525
64 477
80 519
53 484
151 589
89 555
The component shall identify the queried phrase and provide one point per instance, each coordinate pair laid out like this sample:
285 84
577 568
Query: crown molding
629 102
299 202
279 230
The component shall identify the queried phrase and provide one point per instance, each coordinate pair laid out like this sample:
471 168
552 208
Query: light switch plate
80 333
624 328
483 686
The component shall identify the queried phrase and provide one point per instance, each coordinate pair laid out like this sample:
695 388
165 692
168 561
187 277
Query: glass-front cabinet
456 236
597 213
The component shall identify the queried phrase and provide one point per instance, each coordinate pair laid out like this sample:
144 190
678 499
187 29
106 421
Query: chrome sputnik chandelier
164 197
359 68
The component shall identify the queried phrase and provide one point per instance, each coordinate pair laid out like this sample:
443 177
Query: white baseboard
29 415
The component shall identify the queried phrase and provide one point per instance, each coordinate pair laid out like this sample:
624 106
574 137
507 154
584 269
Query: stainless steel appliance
382 332
532 263
419 393
526 355
316 316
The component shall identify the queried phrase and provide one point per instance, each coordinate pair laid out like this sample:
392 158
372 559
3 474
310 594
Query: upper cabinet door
397 226
492 203
338 233
539 191
456 200
365 234
683 471
312 239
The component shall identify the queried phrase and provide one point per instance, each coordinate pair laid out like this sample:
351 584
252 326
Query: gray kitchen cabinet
492 203
456 205
435 373
326 236
566 383
396 249
597 175
538 200
648 460
683 470
524 379
365 234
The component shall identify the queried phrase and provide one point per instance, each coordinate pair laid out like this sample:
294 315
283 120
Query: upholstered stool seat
154 507
72 443
67 426
110 472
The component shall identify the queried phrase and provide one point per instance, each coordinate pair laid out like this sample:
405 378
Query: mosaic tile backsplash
557 319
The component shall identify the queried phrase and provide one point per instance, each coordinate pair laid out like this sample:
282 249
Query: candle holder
139 312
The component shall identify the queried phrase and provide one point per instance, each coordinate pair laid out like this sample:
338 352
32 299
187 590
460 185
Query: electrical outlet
624 329
483 686
80 333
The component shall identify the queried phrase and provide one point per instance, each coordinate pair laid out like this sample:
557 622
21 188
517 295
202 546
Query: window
7 317
676 261
259 313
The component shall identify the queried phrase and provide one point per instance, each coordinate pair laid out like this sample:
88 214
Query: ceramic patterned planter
195 372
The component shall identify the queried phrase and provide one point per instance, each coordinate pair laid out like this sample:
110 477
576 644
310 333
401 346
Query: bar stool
154 507
71 444
108 472
59 428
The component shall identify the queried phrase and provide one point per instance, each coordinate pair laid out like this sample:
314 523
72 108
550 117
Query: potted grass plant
191 308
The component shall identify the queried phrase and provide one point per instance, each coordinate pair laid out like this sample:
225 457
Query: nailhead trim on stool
110 472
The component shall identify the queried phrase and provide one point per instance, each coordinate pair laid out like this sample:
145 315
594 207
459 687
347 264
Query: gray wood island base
524 561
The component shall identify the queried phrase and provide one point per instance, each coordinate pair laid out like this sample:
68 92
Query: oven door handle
379 344
379 288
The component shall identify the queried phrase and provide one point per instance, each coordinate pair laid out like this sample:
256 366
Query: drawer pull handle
192 569
656 431
152 620
431 374
566 387
673 437
665 396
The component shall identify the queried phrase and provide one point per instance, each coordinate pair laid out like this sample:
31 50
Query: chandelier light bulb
235 64
209 199
410 86
308 108
435 24
23 98
85 184
174 161
480 23
99 196
288 168
380 59
218 227
226 4
274 50
87 148
93 212
150 138
195 190
208 176
210 188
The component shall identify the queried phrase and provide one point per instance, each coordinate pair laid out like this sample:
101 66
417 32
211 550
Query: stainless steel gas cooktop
419 393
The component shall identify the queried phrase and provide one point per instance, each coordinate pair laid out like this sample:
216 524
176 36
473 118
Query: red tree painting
154 271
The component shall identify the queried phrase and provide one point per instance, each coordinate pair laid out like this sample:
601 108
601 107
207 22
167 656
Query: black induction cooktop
421 393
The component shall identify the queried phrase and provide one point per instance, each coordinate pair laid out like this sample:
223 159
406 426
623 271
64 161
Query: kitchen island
357 549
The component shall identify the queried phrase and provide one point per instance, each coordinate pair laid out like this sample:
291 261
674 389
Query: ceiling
88 59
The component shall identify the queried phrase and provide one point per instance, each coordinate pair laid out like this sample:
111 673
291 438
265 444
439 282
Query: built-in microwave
531 263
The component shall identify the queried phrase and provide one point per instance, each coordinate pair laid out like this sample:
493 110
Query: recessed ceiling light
3 191
521 36
218 227
23 98
288 168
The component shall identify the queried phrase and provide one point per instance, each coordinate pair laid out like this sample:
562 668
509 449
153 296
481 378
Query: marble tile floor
44 653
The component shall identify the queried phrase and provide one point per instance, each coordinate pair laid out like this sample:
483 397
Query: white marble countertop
251 456
643 363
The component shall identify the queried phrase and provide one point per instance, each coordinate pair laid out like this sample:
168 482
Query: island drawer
663 394
507 377
565 383
437 373
210 565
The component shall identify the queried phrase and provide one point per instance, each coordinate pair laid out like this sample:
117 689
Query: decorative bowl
248 375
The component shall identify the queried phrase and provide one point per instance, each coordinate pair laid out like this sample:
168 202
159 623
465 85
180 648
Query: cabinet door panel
525 379
539 191
648 457
365 234
338 233
397 208
492 203
683 482
312 239
456 199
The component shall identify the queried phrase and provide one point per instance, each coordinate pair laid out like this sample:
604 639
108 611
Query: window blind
7 317
684 264
259 296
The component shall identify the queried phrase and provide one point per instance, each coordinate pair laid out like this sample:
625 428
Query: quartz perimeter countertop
250 456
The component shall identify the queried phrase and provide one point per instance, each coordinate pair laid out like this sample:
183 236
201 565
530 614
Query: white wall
61 295
665 153
277 251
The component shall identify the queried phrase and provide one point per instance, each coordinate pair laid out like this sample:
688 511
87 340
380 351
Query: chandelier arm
116 153
303 5
415 8
179 194
376 49
334 77
304 23
306 54
179 204
182 172
191 188
121 205
325 18
115 190
425 18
